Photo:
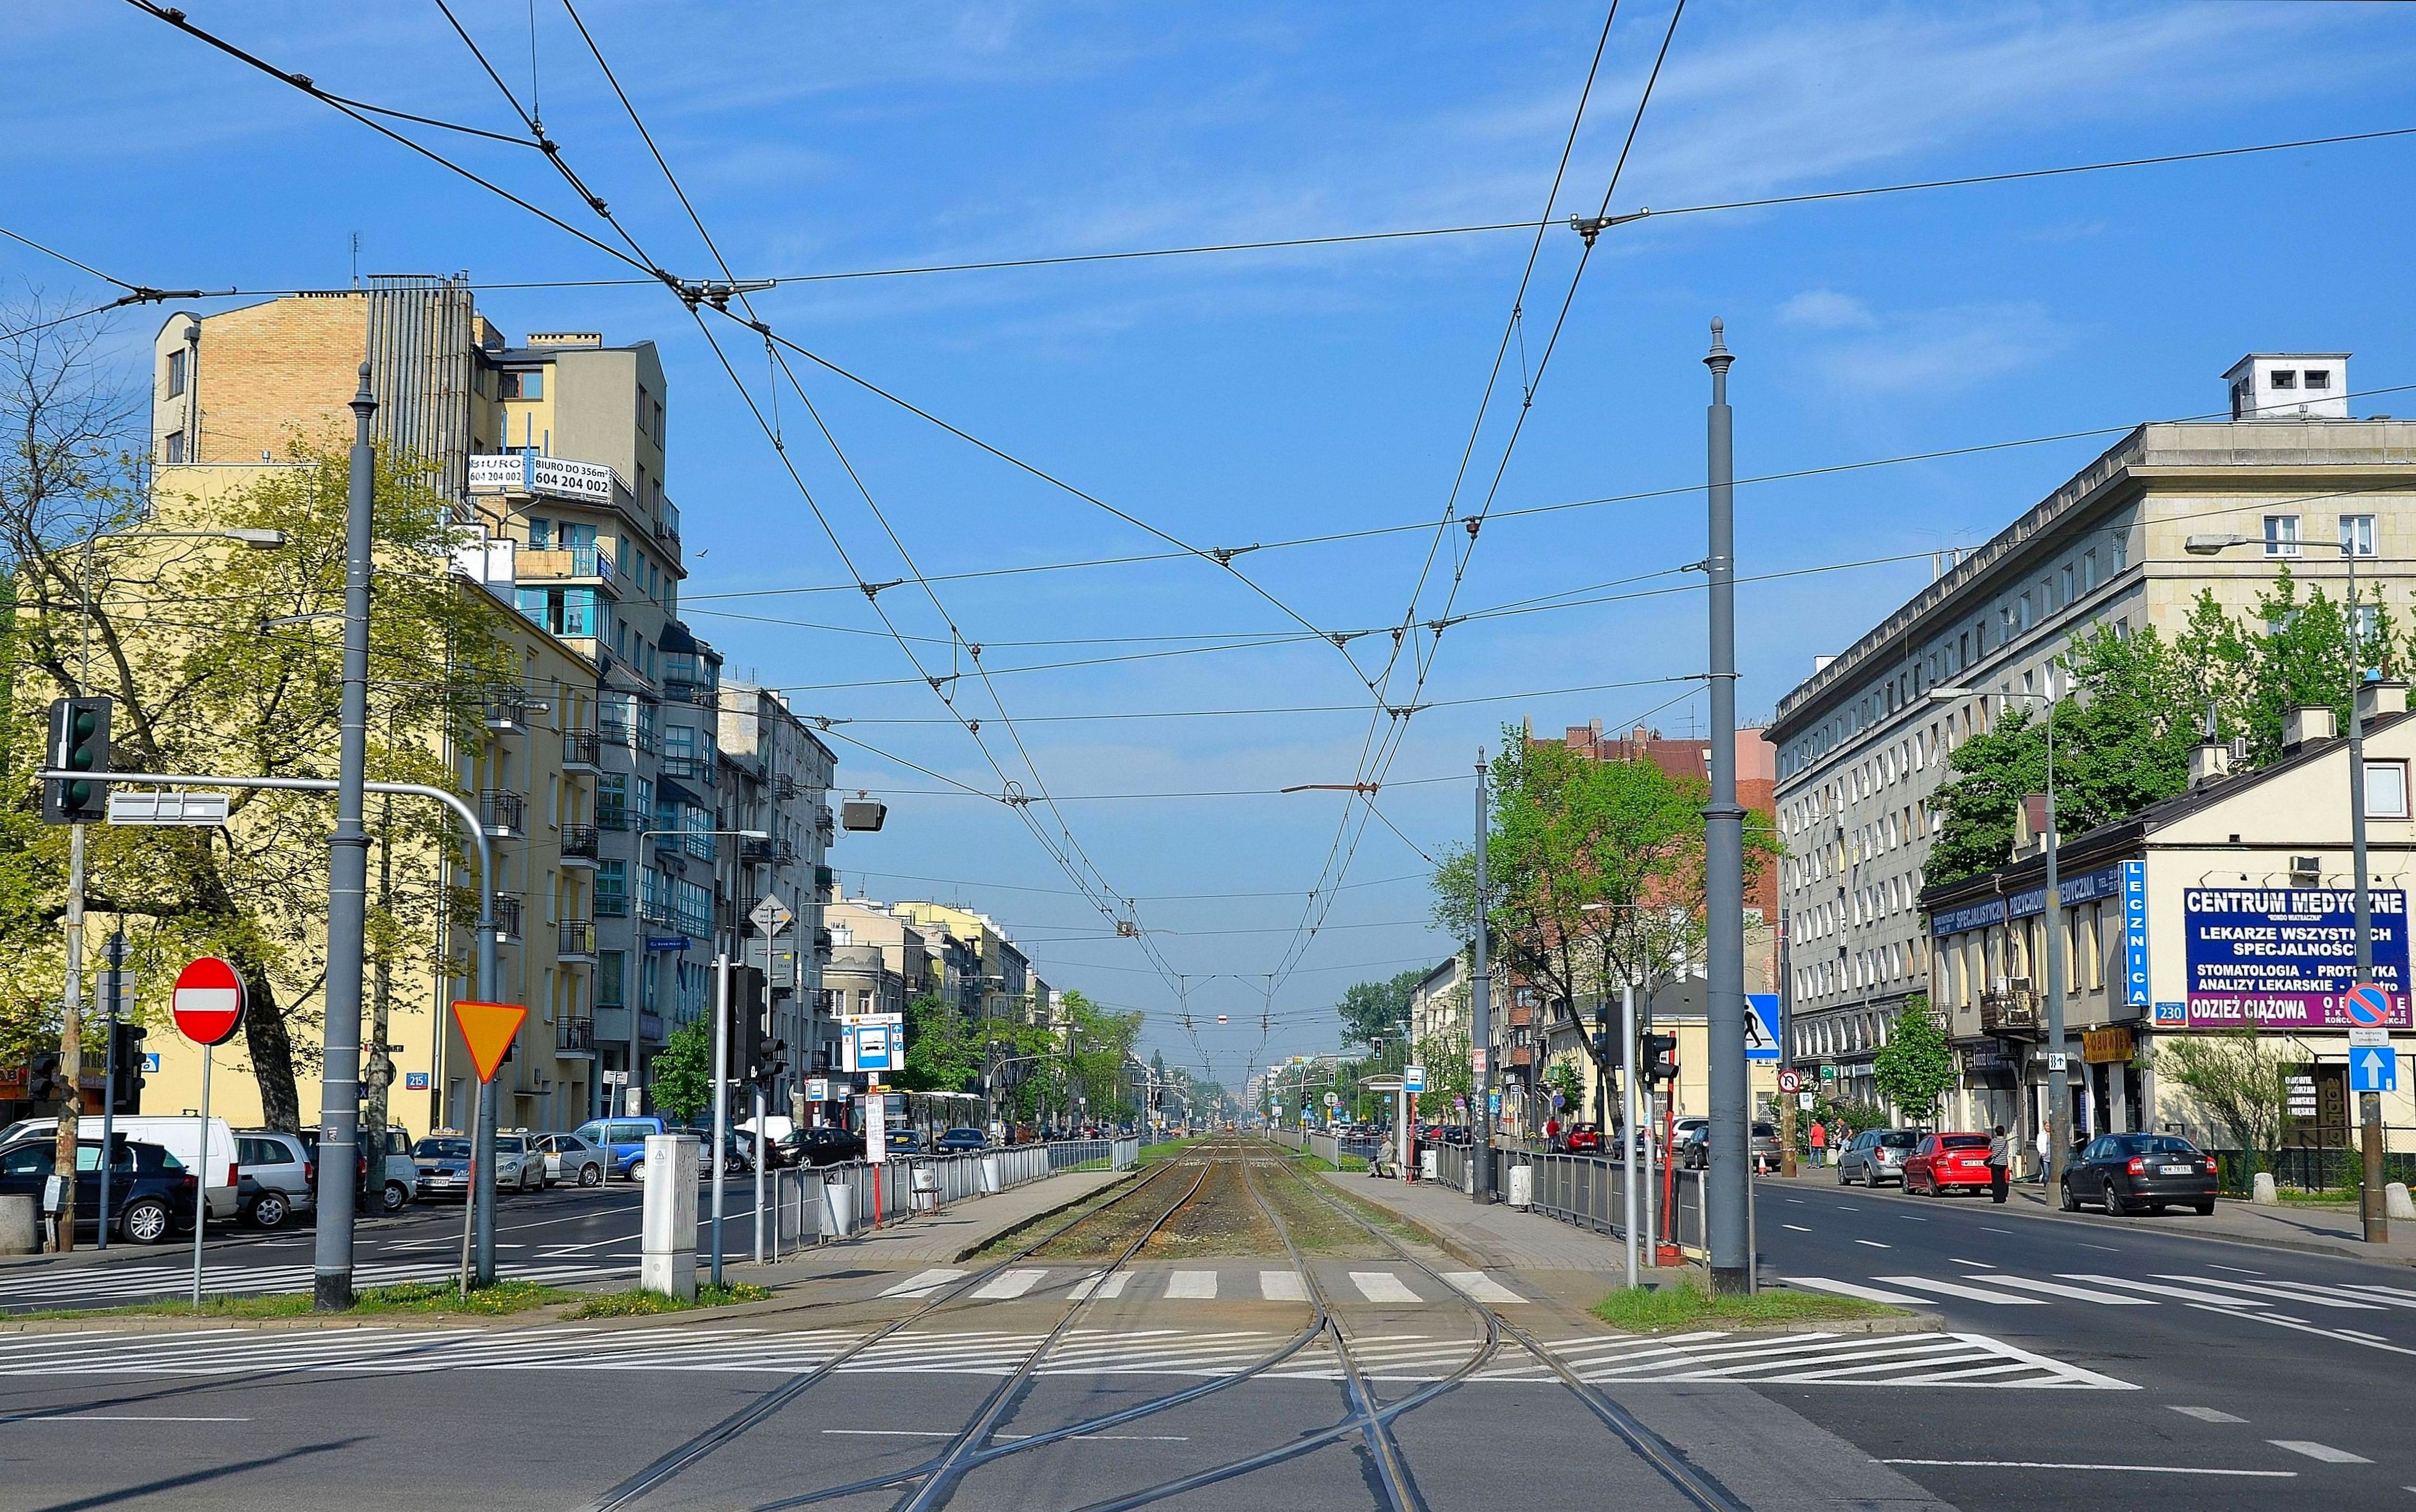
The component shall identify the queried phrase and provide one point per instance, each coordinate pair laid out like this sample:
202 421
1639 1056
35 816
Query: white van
179 1136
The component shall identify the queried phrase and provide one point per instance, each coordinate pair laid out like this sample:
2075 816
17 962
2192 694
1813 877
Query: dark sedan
150 1194
822 1144
2130 1171
961 1141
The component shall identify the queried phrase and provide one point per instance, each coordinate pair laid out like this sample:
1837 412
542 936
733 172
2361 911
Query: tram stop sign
207 1002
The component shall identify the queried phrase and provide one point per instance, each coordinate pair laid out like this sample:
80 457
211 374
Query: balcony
575 941
2013 1012
582 751
668 527
825 881
507 709
638 737
650 1028
786 789
825 825
501 813
823 946
574 1036
578 845
767 853
697 769
577 564
508 919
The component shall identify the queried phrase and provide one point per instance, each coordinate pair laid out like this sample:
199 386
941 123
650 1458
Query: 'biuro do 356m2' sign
2280 958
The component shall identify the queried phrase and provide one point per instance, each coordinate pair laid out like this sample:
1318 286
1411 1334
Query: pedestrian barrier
832 1201
1591 1191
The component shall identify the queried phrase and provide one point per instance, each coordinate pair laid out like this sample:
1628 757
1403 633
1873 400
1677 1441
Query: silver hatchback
1876 1155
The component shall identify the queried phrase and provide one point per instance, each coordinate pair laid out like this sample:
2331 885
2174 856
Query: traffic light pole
1727 1182
113 1003
720 1097
72 1046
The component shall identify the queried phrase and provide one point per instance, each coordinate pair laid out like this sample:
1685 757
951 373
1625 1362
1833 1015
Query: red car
1945 1161
1582 1138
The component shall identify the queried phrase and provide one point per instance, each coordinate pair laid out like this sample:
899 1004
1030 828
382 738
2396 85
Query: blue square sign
2373 1070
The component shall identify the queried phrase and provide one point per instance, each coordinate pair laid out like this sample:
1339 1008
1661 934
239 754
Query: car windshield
442 1150
1962 1142
2155 1144
1765 1131
962 1134
1900 1139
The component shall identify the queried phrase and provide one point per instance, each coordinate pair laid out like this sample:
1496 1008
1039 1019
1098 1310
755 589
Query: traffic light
43 1083
1661 1057
754 1054
126 1071
78 743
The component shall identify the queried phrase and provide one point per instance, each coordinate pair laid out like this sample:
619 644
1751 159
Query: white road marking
1874 1244
1481 1286
2220 1304
2049 1464
2252 1290
2324 1452
1797 1227
922 1283
2208 1414
1984 1265
2051 1289
2360 1333
1098 1286
2237 1270
1382 1286
110 1417
1923 1283
2108 1248
892 1432
1282 1286
1196 1285
2306 1327
1911 1218
1007 1284
1796 1200
1848 1288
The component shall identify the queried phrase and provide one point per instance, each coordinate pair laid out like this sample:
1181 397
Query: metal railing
1591 1191
508 916
575 939
808 1211
582 747
574 1036
580 842
500 811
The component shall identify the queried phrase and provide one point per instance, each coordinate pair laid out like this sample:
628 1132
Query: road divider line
2056 1464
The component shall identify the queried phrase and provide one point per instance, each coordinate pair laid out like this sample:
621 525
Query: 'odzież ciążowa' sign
2280 958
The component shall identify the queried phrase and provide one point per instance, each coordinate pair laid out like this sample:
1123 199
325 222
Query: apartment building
775 782
1862 745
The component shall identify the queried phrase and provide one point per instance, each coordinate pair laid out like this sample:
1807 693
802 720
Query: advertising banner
2281 958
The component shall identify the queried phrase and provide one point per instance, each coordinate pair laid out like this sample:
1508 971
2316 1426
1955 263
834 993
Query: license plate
2177 1171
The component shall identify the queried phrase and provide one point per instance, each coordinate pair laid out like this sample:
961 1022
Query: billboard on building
2280 958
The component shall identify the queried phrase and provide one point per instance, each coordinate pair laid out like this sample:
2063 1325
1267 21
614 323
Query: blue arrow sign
2374 1070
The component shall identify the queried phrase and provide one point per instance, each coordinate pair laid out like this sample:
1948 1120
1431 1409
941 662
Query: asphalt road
2261 1374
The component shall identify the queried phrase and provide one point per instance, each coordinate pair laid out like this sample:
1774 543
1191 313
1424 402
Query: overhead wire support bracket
1225 555
1591 226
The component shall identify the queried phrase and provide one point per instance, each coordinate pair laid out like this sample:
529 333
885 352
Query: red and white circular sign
208 1002
1791 1081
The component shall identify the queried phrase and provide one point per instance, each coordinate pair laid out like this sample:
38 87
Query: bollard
2395 1199
21 1225
2263 1194
667 1247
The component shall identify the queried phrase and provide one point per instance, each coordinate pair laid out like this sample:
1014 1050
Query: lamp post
2057 1094
2372 1207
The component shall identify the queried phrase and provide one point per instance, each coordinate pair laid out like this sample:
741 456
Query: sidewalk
1497 1236
2324 1230
968 1225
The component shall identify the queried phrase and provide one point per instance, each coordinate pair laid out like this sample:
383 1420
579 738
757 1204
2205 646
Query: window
2063 585
2357 535
2088 572
2281 534
541 534
175 372
2386 790
2283 378
523 382
176 448
2318 377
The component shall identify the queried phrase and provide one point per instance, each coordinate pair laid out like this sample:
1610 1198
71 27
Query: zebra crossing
90 1285
1936 1360
2259 1293
1196 1285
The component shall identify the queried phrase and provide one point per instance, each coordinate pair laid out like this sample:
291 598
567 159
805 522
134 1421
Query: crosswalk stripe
2390 1291
1191 1285
1382 1286
2077 1294
1103 1287
2324 1452
2306 1294
1007 1284
1481 1286
1952 1289
2151 1289
1282 1286
922 1283
1848 1288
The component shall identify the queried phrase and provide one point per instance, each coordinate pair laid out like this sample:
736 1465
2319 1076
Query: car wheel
531 1186
267 1210
1842 1179
2203 1207
591 1175
396 1197
2070 1203
2116 1206
637 1170
145 1221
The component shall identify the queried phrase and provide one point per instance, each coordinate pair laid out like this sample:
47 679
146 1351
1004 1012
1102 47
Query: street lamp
2371 1205
2058 1087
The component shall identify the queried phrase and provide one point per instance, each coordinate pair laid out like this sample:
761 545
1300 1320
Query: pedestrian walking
1820 1143
1552 1132
1999 1151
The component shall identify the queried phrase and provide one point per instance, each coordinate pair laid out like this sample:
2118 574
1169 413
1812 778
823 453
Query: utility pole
2372 1207
112 1002
1480 1009
71 1051
1628 1132
1727 1198
348 859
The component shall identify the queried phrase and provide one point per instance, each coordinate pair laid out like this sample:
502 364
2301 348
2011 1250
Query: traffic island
1684 1303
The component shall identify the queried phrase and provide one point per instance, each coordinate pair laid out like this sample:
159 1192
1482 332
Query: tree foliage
1372 1011
683 1071
943 1047
2238 1079
1914 1068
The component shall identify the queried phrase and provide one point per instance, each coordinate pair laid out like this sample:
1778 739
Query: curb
969 1250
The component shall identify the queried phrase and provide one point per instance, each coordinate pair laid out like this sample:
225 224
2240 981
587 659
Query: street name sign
488 1030
207 1002
167 805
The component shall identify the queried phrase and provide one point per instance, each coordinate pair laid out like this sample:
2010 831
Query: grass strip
643 1304
1640 1310
408 1297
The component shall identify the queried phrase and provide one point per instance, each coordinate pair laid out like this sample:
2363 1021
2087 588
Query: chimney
2303 723
2033 831
2381 696
2209 762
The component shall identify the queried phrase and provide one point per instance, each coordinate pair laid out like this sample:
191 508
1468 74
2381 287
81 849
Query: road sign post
488 1030
207 1006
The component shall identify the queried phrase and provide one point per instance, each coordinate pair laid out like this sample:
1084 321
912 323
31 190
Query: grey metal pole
1728 1148
348 863
1480 1010
202 1191
112 998
71 1056
720 1095
2372 1209
2058 1096
1627 1112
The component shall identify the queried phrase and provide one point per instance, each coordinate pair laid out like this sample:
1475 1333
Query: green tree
943 1048
1914 1068
1567 1078
2239 1081
1372 1011
1451 1071
683 1070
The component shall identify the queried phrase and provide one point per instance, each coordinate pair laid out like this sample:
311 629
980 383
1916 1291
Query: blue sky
1268 396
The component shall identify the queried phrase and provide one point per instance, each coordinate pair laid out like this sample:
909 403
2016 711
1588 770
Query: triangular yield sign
488 1029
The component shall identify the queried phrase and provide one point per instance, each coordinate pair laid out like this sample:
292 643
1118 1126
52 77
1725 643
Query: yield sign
208 1002
488 1029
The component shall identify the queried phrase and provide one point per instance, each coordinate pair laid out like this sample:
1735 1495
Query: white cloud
1944 352
1825 309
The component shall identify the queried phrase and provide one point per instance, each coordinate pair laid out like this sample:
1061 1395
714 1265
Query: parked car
280 1176
2129 1172
1876 1155
737 1151
1582 1138
179 1136
960 1141
1943 1162
624 1139
902 1142
570 1158
1694 1143
825 1144
398 1173
445 1161
152 1195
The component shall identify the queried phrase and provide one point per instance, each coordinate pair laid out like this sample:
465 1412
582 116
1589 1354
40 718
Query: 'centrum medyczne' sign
2280 958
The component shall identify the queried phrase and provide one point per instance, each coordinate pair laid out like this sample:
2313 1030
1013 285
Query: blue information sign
2373 1070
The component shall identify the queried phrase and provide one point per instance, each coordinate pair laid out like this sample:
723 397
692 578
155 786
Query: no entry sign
208 1002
